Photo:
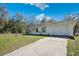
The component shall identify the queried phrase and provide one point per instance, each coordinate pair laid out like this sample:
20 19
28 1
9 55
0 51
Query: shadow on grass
72 38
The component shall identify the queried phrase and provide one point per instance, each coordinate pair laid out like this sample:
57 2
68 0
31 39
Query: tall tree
3 17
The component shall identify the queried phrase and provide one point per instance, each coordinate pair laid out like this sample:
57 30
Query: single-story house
65 28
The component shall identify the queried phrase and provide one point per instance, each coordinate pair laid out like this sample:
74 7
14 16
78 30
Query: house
65 28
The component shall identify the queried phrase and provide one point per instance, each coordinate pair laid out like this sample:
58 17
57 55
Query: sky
55 10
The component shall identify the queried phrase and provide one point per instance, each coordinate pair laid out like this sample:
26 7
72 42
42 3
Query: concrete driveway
50 46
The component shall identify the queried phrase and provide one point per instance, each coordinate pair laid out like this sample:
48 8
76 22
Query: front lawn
10 42
73 47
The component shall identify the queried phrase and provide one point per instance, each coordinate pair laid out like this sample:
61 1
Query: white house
54 28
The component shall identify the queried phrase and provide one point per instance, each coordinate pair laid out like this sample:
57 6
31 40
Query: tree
43 20
3 18
20 23
74 16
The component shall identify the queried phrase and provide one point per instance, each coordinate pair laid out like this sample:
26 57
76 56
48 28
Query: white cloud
48 18
42 6
40 17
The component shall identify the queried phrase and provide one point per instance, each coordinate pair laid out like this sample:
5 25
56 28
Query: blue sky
55 10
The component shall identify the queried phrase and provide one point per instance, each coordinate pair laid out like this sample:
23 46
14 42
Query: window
36 29
44 29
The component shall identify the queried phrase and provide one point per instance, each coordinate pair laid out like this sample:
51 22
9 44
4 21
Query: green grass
10 42
73 47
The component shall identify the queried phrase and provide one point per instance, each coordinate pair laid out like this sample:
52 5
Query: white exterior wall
62 29
70 31
57 29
